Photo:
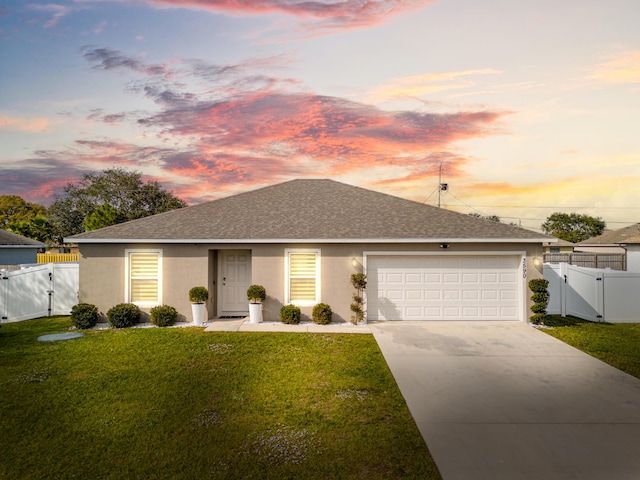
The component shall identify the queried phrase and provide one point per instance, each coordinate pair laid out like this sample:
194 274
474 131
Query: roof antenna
442 187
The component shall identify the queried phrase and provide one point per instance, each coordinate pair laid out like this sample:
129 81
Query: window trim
287 279
127 275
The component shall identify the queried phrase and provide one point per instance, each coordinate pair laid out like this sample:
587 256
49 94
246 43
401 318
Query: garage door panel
413 278
433 294
470 295
414 295
451 294
394 278
454 278
489 294
444 288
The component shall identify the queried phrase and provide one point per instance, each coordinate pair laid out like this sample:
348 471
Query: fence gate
40 291
593 294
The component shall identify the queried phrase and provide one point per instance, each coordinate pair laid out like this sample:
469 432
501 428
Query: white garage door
442 287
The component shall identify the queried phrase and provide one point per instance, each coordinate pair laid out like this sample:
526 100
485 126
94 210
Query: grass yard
181 403
617 344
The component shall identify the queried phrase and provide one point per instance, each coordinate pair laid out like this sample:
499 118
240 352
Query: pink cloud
245 128
328 14
21 124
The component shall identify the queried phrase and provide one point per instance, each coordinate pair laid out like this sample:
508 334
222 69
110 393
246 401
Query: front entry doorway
234 279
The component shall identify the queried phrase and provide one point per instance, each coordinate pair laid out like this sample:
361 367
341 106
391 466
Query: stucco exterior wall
102 271
18 256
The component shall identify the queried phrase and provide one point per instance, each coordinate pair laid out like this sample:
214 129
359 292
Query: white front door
234 279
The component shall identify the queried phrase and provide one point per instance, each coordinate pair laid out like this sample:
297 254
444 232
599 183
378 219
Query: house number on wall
524 267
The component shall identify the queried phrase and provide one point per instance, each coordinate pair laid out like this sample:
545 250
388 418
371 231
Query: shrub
321 314
359 282
538 285
539 308
84 315
256 294
163 315
538 318
540 299
123 315
198 295
290 314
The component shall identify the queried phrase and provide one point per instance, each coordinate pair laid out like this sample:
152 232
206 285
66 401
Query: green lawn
181 403
617 344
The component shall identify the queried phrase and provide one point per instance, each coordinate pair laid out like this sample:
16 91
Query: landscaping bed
183 403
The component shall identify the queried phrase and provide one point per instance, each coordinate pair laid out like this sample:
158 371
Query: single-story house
632 246
302 240
610 241
16 249
558 246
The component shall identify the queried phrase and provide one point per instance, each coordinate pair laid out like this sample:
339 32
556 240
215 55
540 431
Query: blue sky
528 107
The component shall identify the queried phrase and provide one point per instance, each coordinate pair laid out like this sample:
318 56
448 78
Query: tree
15 209
92 198
493 218
37 228
103 216
573 227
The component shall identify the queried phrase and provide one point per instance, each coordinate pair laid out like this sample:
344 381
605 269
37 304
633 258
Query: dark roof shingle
307 210
14 240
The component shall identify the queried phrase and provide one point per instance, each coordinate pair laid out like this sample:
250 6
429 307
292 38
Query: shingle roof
309 210
8 239
612 237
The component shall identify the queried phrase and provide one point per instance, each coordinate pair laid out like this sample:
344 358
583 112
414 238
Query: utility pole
442 187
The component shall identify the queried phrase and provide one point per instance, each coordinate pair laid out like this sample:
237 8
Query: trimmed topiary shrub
290 314
321 314
198 295
123 315
540 299
163 315
256 294
359 282
84 315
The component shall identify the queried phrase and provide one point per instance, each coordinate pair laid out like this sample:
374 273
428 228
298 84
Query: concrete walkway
506 401
243 325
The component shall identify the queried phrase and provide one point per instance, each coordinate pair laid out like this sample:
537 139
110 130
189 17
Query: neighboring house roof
558 242
12 240
614 237
634 239
308 210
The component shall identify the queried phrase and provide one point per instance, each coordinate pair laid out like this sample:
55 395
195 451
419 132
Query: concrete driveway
502 400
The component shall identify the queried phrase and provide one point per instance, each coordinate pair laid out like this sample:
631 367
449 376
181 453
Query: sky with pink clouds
525 107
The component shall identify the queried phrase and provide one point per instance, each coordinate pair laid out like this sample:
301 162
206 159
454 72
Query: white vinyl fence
593 293
39 291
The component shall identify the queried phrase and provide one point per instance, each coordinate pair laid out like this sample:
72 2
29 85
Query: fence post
600 297
563 288
4 287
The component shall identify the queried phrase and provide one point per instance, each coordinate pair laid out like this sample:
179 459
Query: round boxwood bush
290 314
84 315
256 294
163 315
198 295
321 314
123 315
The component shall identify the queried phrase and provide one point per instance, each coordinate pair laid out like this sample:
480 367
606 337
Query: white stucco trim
127 275
200 241
287 278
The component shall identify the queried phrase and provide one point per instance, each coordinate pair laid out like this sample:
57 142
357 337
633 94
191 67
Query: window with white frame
302 276
143 277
